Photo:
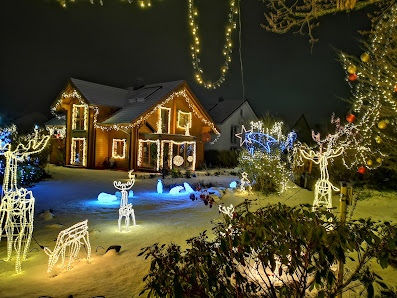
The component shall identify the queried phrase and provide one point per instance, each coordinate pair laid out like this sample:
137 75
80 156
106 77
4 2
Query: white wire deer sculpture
71 238
125 208
323 187
17 204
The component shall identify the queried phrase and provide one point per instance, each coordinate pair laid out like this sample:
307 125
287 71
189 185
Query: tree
276 251
373 81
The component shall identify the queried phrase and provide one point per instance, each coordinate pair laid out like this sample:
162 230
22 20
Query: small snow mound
104 197
46 215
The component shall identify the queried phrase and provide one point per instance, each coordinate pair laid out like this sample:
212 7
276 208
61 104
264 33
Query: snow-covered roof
223 109
56 122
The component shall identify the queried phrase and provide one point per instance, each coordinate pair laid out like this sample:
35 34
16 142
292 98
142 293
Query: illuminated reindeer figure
125 208
17 204
71 237
323 187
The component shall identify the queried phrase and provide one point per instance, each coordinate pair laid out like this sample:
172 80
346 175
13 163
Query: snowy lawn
72 195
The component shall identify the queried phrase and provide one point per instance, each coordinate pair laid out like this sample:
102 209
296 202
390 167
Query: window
149 154
184 119
233 131
79 117
164 120
118 148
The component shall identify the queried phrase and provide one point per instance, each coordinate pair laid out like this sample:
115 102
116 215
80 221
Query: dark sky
119 44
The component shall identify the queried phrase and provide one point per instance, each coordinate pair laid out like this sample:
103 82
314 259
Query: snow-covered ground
72 195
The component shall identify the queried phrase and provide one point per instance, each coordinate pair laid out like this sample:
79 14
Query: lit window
80 117
164 120
184 120
233 131
78 152
118 148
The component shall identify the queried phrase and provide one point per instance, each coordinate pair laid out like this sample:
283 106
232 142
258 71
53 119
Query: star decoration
242 135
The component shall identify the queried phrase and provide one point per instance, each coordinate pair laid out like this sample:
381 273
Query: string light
160 120
115 146
17 204
245 182
141 3
75 157
124 187
126 211
227 48
70 237
183 123
77 112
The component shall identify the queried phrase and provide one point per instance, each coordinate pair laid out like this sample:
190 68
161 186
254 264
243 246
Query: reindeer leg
87 244
133 217
127 222
120 217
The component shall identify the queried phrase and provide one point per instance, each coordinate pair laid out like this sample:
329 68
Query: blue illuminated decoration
233 184
159 186
106 198
130 194
175 190
188 188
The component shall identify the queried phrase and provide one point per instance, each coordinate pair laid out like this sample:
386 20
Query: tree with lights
373 80
284 16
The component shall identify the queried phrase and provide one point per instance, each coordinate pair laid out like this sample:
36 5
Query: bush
300 247
222 158
267 172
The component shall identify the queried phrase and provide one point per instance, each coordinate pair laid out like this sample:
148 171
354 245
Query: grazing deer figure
69 238
17 204
126 211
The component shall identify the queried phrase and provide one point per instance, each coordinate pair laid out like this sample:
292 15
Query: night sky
119 44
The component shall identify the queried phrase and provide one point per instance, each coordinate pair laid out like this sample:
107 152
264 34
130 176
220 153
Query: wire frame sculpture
17 204
71 238
125 208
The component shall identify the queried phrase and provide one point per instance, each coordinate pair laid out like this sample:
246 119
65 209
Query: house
57 130
148 128
229 116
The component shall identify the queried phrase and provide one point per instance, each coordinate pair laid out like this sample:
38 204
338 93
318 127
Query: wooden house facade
148 128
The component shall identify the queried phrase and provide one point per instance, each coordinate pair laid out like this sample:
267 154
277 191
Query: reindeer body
71 238
17 204
125 208
126 211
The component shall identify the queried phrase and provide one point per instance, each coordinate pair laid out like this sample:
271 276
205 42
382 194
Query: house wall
235 119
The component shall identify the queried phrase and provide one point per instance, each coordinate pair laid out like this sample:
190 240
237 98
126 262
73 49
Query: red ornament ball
352 76
206 137
395 88
361 170
350 118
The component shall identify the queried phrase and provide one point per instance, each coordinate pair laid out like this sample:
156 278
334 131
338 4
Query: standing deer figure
125 208
69 238
17 204
323 187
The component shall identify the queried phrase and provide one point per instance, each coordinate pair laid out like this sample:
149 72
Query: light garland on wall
140 151
227 49
71 238
73 152
17 204
114 148
74 116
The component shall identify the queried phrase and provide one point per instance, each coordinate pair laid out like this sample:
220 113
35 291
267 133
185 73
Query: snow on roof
141 100
56 122
223 109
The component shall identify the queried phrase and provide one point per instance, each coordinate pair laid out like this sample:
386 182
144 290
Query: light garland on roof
142 119
114 148
227 48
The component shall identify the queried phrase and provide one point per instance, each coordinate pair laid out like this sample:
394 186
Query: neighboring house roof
223 109
141 100
56 122
302 129
101 95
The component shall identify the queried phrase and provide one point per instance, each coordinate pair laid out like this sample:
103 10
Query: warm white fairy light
229 211
58 131
141 3
126 211
75 112
140 151
71 238
115 146
227 49
124 187
178 160
75 157
17 204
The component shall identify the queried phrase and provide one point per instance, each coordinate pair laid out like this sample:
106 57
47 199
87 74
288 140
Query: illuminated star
242 135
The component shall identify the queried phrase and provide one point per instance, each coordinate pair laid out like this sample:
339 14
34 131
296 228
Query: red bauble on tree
350 118
352 76
361 170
